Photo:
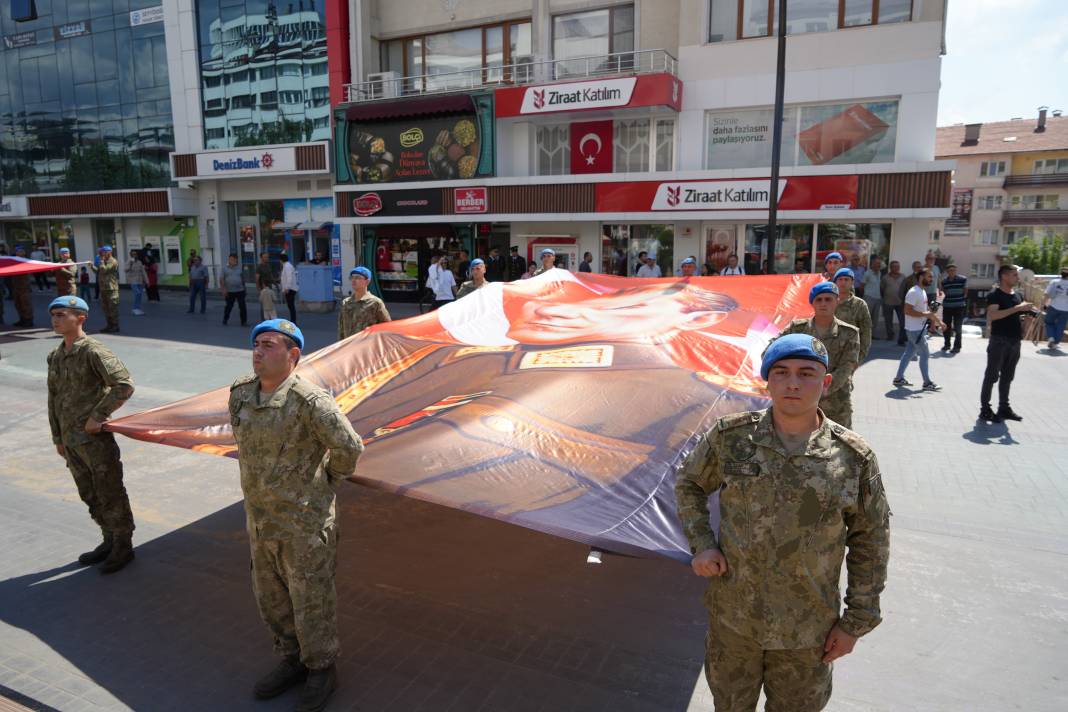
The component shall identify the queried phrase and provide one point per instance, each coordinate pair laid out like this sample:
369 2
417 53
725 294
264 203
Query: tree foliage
1045 257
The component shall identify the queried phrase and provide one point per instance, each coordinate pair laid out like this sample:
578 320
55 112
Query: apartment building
619 127
1011 182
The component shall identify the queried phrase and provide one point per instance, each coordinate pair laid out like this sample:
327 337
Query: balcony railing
1032 181
385 85
1034 217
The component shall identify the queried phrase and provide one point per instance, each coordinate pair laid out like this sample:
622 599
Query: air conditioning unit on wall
382 85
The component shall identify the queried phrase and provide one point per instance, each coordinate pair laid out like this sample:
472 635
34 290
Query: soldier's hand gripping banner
561 403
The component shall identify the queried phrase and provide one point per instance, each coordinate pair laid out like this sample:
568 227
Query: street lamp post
776 139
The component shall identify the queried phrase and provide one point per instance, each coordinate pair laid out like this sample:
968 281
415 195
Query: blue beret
64 249
832 256
793 346
69 302
477 261
106 248
281 326
689 261
820 289
844 272
548 251
361 271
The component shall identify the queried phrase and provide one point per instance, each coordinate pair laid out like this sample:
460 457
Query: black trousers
291 302
41 279
888 316
954 318
1002 355
238 297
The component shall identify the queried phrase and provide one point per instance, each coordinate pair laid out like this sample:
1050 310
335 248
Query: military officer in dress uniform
852 309
108 279
66 277
294 446
794 489
362 309
477 281
843 346
86 384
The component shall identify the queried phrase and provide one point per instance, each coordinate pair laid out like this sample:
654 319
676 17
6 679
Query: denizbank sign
257 160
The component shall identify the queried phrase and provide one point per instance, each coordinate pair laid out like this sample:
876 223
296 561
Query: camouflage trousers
109 300
736 667
97 472
24 302
839 406
293 580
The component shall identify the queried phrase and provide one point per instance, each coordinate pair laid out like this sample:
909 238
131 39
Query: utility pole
776 140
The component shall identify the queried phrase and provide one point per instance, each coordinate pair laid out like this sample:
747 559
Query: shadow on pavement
985 433
438 610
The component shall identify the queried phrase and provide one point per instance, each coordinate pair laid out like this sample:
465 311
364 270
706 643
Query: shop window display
865 239
621 245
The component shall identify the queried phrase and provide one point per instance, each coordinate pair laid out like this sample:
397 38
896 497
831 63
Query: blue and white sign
146 16
257 160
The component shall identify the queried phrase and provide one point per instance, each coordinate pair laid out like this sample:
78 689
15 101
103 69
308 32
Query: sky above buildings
1004 59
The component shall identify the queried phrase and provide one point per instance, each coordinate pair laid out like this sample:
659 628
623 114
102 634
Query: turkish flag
591 147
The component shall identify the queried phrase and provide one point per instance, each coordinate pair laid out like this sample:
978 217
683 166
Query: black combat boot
121 554
288 673
317 690
98 554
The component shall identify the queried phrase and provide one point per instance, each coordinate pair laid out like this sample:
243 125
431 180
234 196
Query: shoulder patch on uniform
307 391
846 325
853 440
243 381
735 420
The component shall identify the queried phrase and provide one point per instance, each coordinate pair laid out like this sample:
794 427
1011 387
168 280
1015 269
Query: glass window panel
622 29
31 82
414 57
615 244
494 39
847 133
105 64
630 140
793 249
81 49
811 16
519 40
894 11
451 52
658 241
723 21
665 145
754 18
553 150
85 97
857 12
48 71
580 34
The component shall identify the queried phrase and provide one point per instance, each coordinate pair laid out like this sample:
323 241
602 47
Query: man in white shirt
1056 305
732 267
650 268
444 284
917 314
289 286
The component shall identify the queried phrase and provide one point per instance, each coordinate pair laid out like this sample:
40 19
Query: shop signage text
15 206
471 200
73 29
22 39
391 203
624 92
146 16
795 193
367 204
254 161
725 195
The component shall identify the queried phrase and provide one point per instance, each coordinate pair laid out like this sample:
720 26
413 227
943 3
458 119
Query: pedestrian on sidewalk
444 284
362 309
852 309
135 277
954 303
732 267
873 292
265 283
1005 312
1056 306
66 277
40 278
86 384
85 288
198 283
23 290
650 269
794 489
934 290
842 342
294 448
893 301
232 284
917 318
151 273
288 280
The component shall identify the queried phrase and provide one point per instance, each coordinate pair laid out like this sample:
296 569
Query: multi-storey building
1011 182
86 127
617 127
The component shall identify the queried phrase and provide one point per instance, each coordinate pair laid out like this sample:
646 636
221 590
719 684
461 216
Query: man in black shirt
1003 313
955 289
495 267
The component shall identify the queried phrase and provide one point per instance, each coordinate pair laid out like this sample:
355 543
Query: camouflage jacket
843 350
107 274
88 381
854 311
356 315
469 286
294 446
785 523
66 278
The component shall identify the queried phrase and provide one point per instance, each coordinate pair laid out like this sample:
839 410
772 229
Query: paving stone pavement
442 610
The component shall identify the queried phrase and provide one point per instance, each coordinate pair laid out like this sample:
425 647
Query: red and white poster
470 200
591 147
591 94
795 193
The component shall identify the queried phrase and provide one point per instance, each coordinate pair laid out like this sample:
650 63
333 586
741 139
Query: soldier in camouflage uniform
66 277
22 291
794 490
294 447
86 384
853 310
477 281
108 279
843 345
362 309
548 261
